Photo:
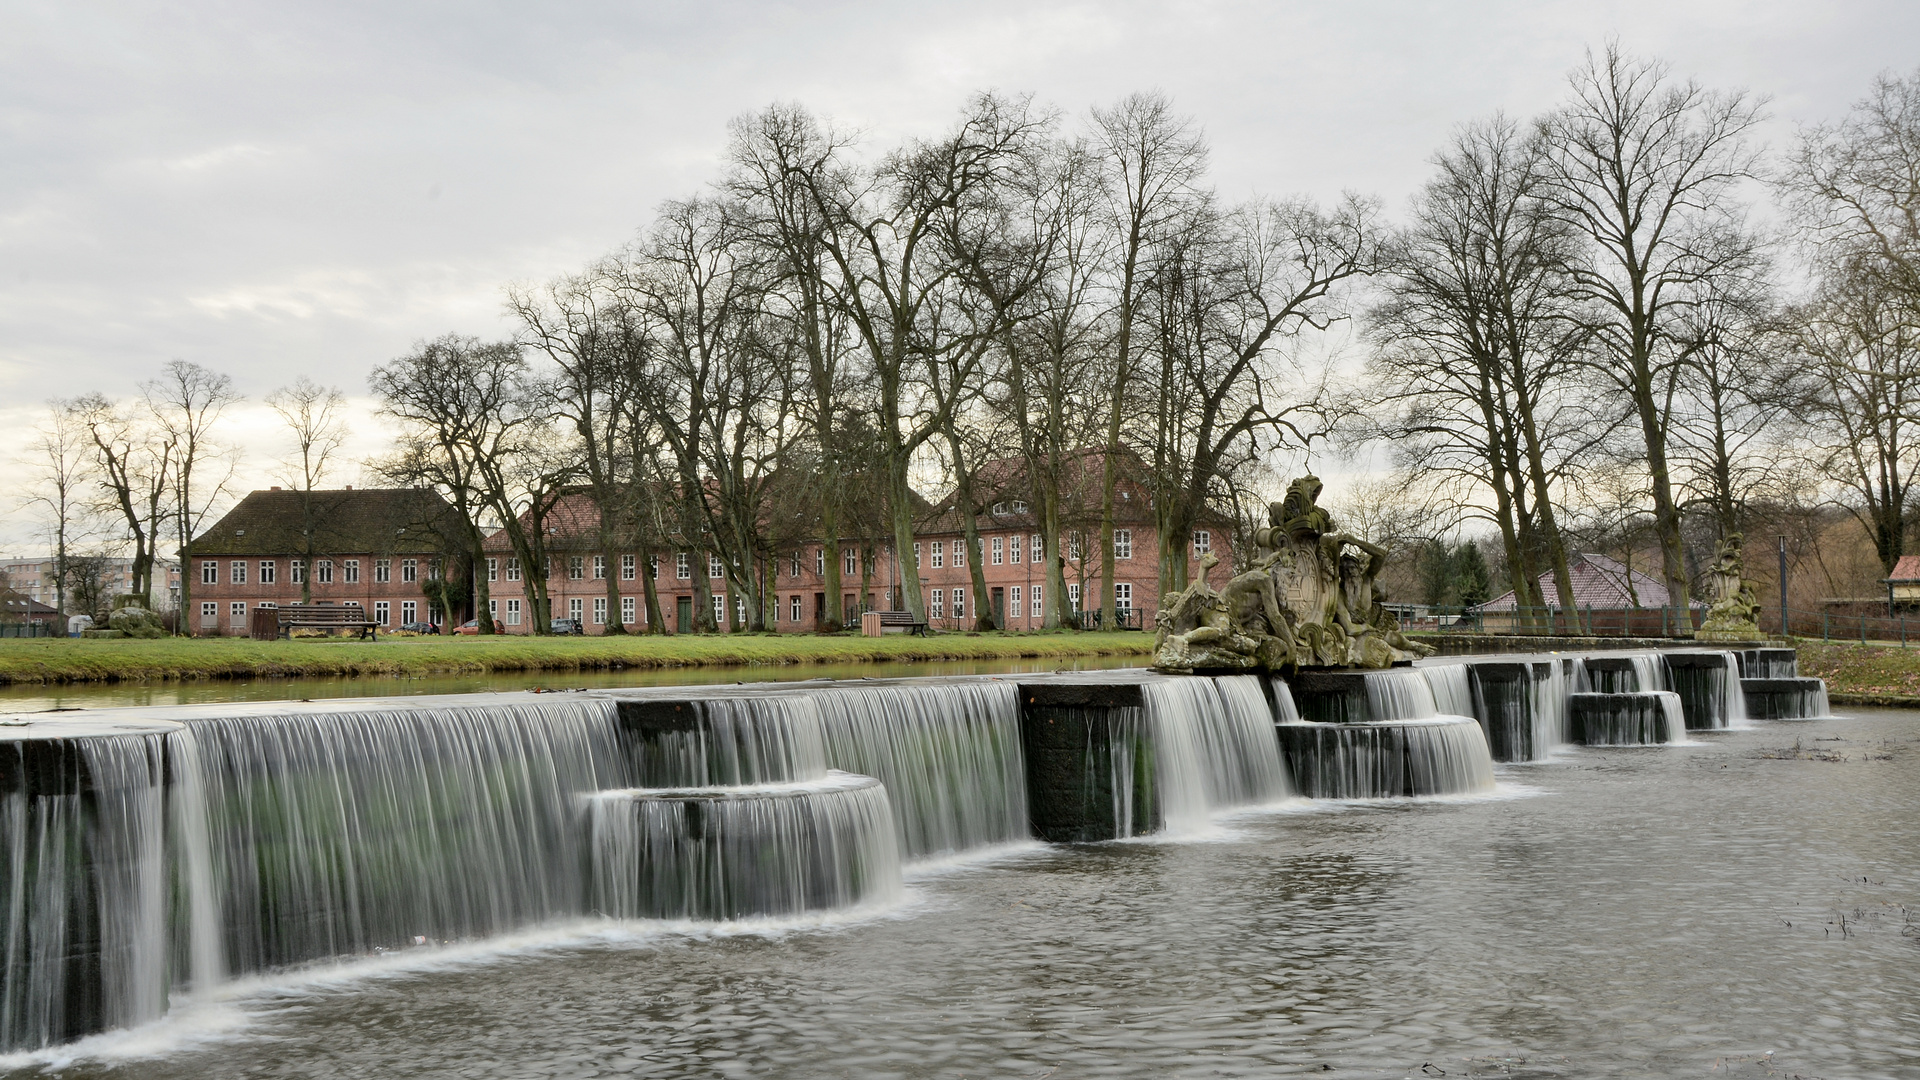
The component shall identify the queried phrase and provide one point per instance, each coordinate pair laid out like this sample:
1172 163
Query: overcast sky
276 189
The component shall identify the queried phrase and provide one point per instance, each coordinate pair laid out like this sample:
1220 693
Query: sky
310 188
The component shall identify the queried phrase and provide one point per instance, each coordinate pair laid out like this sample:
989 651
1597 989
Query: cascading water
729 741
1387 759
336 833
949 756
1786 698
1212 747
1406 694
742 852
1621 673
83 876
1708 683
1637 719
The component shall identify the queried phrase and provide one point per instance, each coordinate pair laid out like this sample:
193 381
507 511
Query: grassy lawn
1864 674
65 660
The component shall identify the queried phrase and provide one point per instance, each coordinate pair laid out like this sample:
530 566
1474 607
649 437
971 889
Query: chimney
275 487
349 487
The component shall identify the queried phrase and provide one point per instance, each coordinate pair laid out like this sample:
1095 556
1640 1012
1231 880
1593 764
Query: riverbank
67 660
1864 674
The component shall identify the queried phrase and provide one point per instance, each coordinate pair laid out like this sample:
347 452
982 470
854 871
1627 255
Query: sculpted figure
1736 610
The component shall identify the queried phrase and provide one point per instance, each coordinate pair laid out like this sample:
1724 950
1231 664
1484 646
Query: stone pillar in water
1089 769
1331 697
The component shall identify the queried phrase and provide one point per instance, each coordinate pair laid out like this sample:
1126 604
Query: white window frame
1013 548
513 612
795 606
959 603
409 570
1013 605
852 560
323 571
513 568
383 612
382 571
715 568
937 606
998 549
576 609
1123 543
297 571
269 570
629 567
1034 599
351 572
1202 541
209 572
409 611
237 613
576 568
599 568
237 573
628 611
1038 549
209 613
1123 595
682 566
939 554
959 554
599 611
493 570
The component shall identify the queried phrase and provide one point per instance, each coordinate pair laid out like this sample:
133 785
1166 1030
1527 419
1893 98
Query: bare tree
1855 184
133 468
1644 168
313 417
188 401
61 472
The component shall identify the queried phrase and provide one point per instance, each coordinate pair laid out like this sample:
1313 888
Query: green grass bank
67 660
1864 674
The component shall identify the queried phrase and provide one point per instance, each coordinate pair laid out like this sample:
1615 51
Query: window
1202 541
917 560
493 609
513 569
716 568
493 570
546 568
296 570
409 611
323 571
793 605
238 572
1013 548
820 560
719 608
409 570
513 613
653 566
433 571
1037 612
599 568
740 610
576 607
209 573
959 603
353 571
627 616
939 554
599 611
383 612
1013 607
938 607
237 613
1073 597
576 568
1122 595
1073 547
1017 506
793 568
267 571
1039 548
628 566
959 553
1123 543
383 571
682 566
853 560
999 547
209 613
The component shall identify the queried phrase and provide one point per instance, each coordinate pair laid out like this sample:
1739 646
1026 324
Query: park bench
326 617
876 623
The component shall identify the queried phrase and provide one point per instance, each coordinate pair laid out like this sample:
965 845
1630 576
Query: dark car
568 626
420 628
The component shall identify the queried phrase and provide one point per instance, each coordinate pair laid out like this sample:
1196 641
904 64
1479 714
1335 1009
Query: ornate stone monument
1311 599
1735 614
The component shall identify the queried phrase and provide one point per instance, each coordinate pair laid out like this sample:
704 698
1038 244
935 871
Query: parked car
472 626
568 626
420 628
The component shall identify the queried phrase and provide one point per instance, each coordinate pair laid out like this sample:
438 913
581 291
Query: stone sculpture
1735 614
1311 598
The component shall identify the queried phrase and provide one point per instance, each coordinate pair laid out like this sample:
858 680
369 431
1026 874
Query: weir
151 851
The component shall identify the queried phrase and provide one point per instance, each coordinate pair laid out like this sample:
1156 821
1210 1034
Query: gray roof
343 520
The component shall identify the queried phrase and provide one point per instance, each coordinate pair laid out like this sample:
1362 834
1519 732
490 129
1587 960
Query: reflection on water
25 699
1670 913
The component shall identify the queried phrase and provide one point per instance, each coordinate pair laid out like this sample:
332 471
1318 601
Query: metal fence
30 628
1896 628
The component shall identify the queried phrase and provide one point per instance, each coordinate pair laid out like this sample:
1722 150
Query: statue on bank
1735 614
1311 598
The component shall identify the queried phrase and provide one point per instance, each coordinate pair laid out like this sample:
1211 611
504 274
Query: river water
1745 906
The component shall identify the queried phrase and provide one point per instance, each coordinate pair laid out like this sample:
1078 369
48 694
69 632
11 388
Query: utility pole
1783 588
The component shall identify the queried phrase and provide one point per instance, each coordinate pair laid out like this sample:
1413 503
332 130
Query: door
683 615
1000 609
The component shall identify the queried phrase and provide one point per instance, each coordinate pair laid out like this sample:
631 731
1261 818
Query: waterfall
337 833
1637 719
1708 683
948 754
1786 698
743 852
1387 759
1452 688
83 877
1212 747
1648 672
730 741
1403 694
1550 728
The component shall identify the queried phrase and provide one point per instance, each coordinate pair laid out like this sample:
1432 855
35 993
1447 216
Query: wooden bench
875 623
326 617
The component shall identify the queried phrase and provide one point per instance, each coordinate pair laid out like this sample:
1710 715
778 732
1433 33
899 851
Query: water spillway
743 852
1444 755
1628 719
1785 698
1709 687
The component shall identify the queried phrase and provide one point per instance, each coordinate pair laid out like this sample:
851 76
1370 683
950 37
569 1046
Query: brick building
376 547
1011 563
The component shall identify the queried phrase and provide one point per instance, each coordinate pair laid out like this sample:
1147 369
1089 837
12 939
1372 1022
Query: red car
472 626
